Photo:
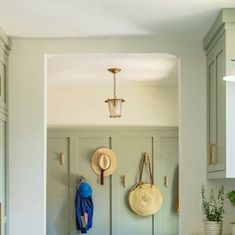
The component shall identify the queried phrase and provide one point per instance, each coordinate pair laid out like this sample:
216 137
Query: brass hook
146 158
61 158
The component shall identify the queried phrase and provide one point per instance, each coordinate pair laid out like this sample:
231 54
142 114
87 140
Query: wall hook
61 158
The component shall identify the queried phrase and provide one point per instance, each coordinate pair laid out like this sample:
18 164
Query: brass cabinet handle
212 154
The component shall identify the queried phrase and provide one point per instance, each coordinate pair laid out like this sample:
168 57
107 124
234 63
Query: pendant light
115 104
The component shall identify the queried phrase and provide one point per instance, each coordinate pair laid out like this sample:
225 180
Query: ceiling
92 18
91 69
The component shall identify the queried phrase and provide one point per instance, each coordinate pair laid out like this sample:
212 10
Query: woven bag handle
145 161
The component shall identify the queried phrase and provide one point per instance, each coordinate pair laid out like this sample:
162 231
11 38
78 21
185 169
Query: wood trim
102 129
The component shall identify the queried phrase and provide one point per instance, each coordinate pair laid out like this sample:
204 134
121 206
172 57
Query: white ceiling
95 18
91 69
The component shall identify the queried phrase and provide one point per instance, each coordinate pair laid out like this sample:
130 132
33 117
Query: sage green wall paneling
58 186
112 215
85 146
166 165
3 199
130 154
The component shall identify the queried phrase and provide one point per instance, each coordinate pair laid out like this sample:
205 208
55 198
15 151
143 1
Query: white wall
84 105
28 125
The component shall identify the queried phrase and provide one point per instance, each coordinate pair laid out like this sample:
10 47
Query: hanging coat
84 208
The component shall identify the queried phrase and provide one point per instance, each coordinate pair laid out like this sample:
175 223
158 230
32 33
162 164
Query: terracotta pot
212 228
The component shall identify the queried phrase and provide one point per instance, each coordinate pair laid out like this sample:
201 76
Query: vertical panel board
212 101
130 153
57 186
166 164
221 104
85 147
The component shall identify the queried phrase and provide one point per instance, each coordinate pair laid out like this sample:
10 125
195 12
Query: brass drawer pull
212 154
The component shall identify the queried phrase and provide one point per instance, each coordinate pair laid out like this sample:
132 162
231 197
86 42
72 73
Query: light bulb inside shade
229 78
115 107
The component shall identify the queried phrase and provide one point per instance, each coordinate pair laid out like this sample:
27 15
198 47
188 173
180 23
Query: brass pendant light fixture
115 104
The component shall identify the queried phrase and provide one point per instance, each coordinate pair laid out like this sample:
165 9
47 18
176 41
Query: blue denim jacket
84 212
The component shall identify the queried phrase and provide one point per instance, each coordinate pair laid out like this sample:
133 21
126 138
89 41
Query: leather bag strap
146 162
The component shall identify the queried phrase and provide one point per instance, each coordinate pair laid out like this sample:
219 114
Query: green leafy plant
213 208
231 197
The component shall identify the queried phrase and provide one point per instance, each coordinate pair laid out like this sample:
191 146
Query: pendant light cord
114 85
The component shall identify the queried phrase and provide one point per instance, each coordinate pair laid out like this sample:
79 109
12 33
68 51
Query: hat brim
95 161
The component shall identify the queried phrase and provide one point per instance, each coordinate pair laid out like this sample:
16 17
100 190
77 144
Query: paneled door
3 198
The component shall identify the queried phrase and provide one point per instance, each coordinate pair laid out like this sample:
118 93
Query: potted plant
213 210
231 198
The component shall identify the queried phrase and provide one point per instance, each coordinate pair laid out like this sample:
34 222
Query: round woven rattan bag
145 199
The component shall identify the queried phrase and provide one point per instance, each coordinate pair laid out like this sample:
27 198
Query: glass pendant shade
231 75
115 107
229 78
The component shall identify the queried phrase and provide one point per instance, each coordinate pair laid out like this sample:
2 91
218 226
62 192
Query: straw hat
104 158
145 200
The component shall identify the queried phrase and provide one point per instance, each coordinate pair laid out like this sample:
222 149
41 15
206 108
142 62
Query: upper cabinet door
219 46
216 93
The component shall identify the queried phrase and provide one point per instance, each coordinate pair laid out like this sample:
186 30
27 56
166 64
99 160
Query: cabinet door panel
221 108
3 200
217 109
57 186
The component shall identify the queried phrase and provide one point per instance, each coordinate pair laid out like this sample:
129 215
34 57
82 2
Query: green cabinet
4 49
112 214
220 50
